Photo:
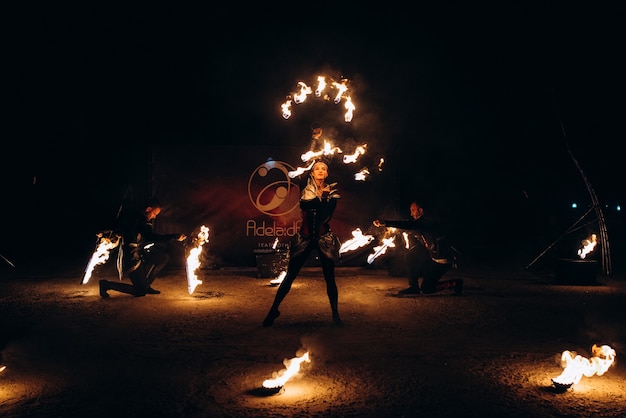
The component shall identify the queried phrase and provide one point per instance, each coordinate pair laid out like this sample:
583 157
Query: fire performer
429 255
142 258
318 201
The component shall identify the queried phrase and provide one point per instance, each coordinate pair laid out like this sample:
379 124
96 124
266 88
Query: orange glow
193 259
101 254
575 366
292 368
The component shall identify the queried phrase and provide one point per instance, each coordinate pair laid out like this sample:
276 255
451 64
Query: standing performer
317 203
429 255
141 255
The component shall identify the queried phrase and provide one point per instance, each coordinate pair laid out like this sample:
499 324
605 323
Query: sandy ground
491 352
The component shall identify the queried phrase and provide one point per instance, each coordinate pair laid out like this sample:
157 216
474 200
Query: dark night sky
471 97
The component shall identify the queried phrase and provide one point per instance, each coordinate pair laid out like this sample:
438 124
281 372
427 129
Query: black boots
271 316
103 289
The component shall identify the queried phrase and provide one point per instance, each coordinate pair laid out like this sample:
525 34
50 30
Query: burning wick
279 379
575 366
101 254
588 245
193 260
278 280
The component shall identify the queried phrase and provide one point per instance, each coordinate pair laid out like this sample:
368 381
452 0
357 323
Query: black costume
429 255
314 234
141 255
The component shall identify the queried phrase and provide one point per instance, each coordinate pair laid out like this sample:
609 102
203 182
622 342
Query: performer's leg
328 267
293 268
138 288
157 259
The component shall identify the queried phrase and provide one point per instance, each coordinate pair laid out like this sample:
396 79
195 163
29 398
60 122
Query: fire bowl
263 391
576 272
561 387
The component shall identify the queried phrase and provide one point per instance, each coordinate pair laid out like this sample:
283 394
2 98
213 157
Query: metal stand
604 238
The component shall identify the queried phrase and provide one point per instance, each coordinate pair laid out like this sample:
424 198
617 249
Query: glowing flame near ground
358 240
381 249
292 368
575 366
588 245
101 254
193 259
2 368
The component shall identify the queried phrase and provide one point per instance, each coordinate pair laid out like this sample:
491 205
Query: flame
100 254
362 174
275 244
342 88
576 366
278 280
2 368
380 164
405 237
360 150
304 92
381 249
292 368
193 259
286 108
358 240
349 109
588 245
321 85
299 170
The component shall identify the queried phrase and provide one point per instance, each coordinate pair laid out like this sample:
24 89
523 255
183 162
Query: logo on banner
271 191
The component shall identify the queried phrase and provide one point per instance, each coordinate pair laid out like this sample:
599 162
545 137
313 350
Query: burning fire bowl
561 387
263 391
576 272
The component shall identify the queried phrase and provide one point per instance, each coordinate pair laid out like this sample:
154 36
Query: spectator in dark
318 201
429 254
142 255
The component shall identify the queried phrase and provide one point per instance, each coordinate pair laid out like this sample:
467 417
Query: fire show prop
292 367
588 246
106 242
326 91
7 261
357 241
386 242
576 366
332 91
193 259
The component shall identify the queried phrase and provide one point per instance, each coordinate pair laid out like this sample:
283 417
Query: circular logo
270 189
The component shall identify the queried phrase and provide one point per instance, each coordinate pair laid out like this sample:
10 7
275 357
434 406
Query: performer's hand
378 222
182 237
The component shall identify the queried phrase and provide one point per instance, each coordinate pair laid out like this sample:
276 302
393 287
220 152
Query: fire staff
318 201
